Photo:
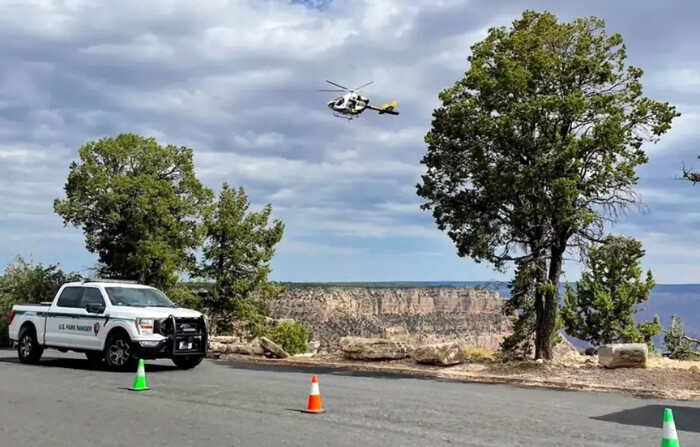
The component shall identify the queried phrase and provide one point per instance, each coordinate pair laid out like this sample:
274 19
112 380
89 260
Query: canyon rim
418 315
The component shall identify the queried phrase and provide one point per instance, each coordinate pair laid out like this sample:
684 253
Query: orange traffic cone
314 405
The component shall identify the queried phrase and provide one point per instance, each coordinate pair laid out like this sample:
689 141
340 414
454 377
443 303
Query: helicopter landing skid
338 115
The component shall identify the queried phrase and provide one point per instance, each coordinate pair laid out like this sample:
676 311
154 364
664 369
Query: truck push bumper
185 337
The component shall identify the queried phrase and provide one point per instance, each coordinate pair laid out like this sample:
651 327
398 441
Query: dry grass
476 354
576 359
654 361
666 363
663 377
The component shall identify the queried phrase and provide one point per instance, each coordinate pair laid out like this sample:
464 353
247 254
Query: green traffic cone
140 381
670 438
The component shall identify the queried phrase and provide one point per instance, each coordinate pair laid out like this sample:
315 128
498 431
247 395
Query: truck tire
119 352
188 362
28 348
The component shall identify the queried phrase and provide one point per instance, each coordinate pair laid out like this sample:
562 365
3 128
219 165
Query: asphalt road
64 402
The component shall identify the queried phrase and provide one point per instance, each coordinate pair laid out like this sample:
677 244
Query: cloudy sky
236 80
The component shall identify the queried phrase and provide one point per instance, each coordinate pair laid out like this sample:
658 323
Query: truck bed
45 304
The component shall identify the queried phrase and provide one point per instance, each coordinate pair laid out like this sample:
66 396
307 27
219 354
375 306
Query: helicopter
352 104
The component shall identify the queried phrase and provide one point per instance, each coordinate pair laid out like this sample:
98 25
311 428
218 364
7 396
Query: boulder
314 346
564 349
358 348
216 349
233 345
240 328
242 349
274 322
272 348
623 355
442 354
398 333
225 339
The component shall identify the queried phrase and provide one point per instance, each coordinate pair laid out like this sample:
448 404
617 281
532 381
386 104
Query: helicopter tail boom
386 108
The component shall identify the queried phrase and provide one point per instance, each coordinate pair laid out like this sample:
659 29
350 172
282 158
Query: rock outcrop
233 345
412 315
441 354
623 355
358 348
272 348
565 350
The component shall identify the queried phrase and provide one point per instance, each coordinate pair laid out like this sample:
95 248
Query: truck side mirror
94 308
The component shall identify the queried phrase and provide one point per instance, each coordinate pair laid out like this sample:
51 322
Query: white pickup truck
117 322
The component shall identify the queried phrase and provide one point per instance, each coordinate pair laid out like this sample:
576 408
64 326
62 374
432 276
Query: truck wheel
28 349
119 353
188 362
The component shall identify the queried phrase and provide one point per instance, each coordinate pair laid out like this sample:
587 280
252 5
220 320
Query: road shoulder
653 382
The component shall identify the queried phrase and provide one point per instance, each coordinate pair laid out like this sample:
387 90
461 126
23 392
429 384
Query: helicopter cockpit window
339 102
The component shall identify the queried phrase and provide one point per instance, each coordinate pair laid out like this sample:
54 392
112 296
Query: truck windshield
138 297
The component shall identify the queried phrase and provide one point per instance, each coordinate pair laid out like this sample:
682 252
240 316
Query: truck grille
189 336
185 326
189 326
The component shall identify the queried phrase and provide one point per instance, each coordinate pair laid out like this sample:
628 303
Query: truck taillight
12 315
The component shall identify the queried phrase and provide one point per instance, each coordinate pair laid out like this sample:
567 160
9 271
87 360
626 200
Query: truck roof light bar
117 281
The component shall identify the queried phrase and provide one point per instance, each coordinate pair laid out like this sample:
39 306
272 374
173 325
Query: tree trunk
546 321
540 278
539 315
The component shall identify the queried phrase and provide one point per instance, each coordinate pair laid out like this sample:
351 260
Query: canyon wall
417 314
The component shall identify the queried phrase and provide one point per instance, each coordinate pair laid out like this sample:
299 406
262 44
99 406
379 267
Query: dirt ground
662 378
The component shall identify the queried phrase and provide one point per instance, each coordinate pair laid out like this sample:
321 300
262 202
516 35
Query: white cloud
403 208
236 80
284 171
267 140
664 196
39 237
300 248
679 247
682 80
146 47
685 129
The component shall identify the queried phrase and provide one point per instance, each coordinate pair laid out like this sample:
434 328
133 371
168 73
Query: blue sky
237 81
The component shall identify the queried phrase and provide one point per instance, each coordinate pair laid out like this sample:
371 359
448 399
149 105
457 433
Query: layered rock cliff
418 314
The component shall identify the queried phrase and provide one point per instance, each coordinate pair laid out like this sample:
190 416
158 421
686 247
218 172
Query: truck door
93 305
63 316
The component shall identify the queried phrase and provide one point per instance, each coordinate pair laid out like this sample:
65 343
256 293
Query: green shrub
601 309
26 282
292 337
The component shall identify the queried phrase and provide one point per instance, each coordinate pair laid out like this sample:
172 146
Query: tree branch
683 337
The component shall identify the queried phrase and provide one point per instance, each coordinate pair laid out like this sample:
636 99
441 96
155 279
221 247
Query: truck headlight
145 326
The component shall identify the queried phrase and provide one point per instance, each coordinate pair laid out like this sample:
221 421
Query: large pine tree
536 148
237 253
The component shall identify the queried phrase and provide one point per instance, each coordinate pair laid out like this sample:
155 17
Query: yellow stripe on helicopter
387 108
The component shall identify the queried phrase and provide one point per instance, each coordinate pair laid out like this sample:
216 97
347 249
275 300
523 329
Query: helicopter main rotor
343 88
